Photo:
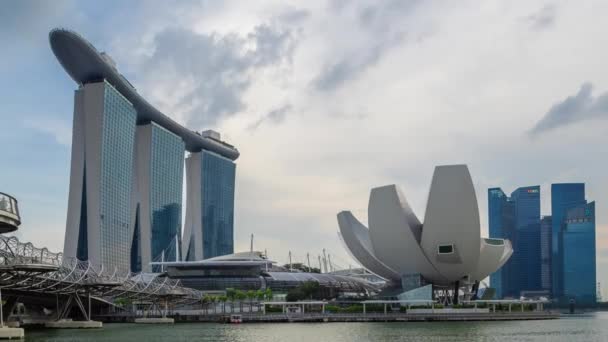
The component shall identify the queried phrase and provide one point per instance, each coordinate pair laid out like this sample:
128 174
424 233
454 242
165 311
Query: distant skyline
325 100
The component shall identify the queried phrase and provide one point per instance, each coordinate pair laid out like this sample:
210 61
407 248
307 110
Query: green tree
205 300
240 296
268 294
223 299
251 296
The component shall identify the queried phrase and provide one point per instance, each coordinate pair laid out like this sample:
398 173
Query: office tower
546 226
516 218
157 199
578 242
99 216
209 227
500 223
527 242
563 197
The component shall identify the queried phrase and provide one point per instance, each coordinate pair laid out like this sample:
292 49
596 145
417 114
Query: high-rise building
209 227
157 199
578 241
516 218
546 226
563 197
127 167
99 217
500 224
526 248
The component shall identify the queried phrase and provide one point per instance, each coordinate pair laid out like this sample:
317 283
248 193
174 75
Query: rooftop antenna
251 248
290 267
308 258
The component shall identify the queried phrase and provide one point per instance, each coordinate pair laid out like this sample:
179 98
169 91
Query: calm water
592 327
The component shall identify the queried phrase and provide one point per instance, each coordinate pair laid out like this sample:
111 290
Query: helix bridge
27 270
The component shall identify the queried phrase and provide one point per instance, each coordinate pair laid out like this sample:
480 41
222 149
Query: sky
325 100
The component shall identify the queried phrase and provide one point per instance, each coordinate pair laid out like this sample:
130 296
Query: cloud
383 29
543 18
275 116
580 107
212 71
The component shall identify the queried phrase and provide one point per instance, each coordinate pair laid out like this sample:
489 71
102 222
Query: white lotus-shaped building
444 250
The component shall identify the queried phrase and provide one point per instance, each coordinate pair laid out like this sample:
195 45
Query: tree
251 296
223 299
231 294
240 296
268 294
205 300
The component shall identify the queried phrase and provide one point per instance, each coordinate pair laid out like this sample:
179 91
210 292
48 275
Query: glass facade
217 187
500 225
579 273
166 179
563 197
117 148
546 224
526 246
516 218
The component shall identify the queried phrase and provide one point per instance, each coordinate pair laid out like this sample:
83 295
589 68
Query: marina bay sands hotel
127 166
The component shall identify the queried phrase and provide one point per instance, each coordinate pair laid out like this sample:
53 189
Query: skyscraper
546 226
127 167
518 219
99 217
526 248
500 224
579 273
209 227
563 197
157 199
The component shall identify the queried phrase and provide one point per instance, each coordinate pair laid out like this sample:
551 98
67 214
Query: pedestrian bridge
26 270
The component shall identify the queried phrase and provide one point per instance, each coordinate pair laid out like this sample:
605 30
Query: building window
445 249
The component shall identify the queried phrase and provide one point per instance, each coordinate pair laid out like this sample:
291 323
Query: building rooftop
84 63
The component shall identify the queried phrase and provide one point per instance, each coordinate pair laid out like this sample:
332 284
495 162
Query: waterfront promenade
345 317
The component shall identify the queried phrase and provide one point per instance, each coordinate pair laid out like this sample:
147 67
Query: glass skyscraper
157 200
546 226
209 225
526 246
500 217
563 197
516 218
101 183
579 273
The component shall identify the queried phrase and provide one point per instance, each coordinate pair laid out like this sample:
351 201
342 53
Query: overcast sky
325 100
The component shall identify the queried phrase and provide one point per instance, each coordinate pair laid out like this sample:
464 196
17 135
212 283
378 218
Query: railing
24 267
9 213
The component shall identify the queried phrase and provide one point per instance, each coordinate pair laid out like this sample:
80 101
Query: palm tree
259 294
240 296
231 293
223 300
268 294
251 297
204 302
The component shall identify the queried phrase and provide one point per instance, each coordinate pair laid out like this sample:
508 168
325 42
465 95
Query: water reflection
592 327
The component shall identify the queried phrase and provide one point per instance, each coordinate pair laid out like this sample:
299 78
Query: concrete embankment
370 317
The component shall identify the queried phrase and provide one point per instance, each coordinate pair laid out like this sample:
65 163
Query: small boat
236 319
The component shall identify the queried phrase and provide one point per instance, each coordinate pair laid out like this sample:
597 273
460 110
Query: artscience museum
444 253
